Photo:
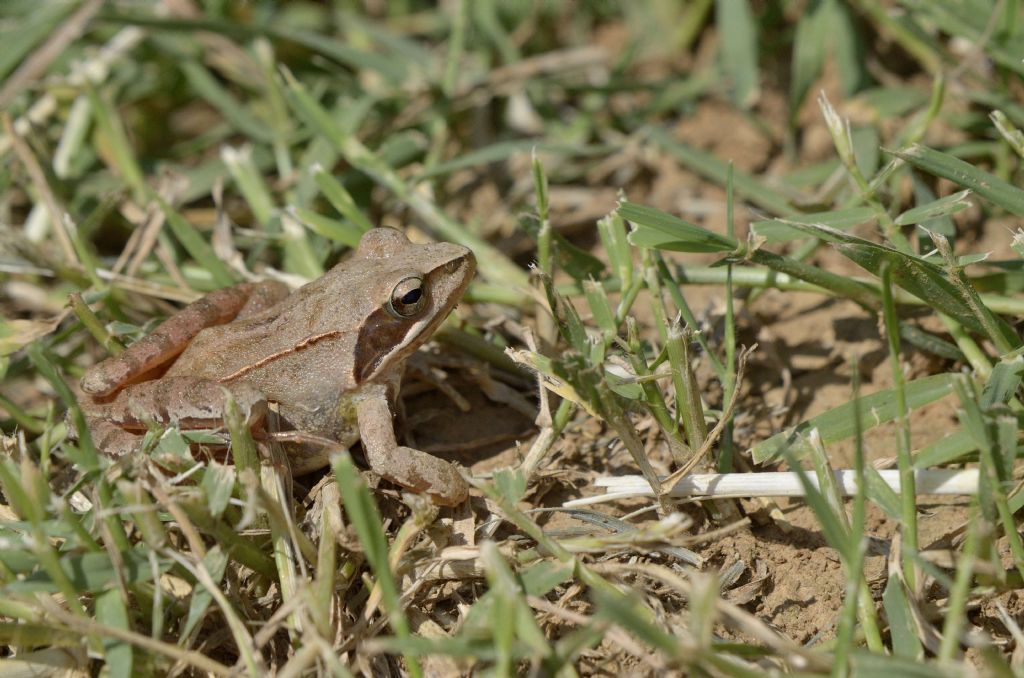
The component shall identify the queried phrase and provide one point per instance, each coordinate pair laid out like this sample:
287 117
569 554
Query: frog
327 357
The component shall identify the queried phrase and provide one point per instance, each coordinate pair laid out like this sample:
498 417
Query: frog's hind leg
187 402
172 336
117 426
112 440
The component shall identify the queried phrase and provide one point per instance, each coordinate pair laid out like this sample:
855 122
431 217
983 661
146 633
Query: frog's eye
408 297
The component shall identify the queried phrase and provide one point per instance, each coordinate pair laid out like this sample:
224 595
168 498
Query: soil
789 576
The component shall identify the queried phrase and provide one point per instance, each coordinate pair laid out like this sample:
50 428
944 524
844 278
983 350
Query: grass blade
988 186
717 170
493 262
943 207
739 50
781 230
363 514
197 246
808 54
839 423
206 86
902 629
341 200
111 611
656 229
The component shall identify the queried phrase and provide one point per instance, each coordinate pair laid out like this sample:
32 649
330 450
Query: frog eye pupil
412 297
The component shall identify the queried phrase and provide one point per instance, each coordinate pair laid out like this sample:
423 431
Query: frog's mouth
385 340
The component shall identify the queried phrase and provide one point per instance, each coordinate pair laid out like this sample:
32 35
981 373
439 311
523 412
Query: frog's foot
422 472
412 469
172 336
112 440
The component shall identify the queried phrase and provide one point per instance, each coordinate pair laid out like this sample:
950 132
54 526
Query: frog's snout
467 262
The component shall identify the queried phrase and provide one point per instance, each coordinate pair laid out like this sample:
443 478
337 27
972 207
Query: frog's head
411 289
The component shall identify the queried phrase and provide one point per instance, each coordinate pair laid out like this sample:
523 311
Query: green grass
147 158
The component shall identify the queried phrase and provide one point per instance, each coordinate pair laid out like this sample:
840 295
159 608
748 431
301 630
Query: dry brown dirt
790 577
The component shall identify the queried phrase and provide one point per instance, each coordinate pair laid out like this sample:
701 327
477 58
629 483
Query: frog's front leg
413 469
171 337
117 426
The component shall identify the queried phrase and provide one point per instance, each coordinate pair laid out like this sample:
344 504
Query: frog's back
253 349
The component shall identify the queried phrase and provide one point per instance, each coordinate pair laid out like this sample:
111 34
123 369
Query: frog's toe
112 440
453 495
422 472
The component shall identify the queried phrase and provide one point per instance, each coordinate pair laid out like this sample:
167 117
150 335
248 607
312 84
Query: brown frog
328 355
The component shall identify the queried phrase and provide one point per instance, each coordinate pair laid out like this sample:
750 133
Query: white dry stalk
776 484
